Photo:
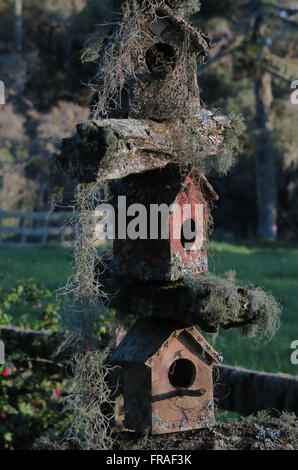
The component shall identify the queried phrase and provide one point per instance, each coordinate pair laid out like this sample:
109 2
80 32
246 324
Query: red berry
5 373
58 392
3 416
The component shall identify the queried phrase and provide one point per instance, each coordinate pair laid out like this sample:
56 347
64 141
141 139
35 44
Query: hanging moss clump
123 79
223 304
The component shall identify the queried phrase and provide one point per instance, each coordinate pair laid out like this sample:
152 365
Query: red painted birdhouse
166 220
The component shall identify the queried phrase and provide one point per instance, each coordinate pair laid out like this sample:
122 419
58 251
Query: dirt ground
260 432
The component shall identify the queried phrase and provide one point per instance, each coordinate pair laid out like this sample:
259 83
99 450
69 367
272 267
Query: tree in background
254 30
17 23
48 83
40 47
265 161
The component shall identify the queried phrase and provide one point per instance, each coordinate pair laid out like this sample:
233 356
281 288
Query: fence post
23 226
44 235
61 235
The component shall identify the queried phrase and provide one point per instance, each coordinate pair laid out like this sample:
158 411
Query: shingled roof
147 337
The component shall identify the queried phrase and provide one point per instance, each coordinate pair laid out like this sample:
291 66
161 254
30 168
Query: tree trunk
265 163
17 24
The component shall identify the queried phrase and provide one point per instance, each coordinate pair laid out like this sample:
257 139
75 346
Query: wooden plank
248 391
34 232
36 215
29 244
43 230
34 343
12 230
114 148
23 331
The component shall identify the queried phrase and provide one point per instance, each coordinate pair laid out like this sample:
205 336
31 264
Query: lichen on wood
256 432
209 301
114 148
223 304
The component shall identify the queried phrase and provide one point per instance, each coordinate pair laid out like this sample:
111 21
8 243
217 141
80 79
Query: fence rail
238 390
248 391
18 227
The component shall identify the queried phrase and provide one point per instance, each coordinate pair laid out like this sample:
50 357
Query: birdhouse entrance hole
182 373
161 59
188 234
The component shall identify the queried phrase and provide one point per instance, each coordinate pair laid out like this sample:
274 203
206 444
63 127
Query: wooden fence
239 390
248 391
34 227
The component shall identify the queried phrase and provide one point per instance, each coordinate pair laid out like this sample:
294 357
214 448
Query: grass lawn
48 265
273 266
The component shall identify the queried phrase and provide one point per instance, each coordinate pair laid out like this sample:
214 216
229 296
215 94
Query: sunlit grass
273 266
49 266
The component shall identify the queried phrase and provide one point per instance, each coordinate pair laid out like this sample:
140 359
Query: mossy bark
205 300
114 148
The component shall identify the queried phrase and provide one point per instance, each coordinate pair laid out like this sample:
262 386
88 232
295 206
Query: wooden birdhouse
173 221
167 377
148 132
164 58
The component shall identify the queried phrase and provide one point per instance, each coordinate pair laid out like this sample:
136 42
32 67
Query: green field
273 266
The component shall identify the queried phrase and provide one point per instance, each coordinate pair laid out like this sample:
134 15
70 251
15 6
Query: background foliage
46 96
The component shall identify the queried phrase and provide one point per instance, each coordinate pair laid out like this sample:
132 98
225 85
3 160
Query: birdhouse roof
161 186
148 336
171 27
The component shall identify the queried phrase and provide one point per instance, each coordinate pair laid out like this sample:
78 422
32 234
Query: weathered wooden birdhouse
164 59
167 377
153 149
171 216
